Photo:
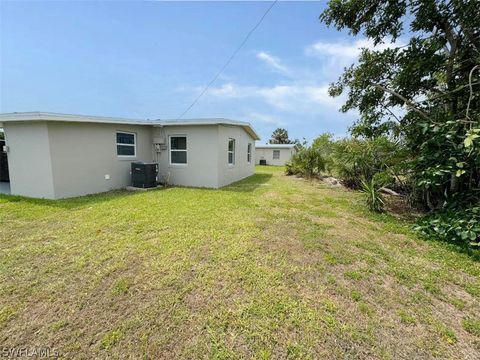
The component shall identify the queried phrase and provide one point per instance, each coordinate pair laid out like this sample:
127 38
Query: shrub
307 162
292 168
325 145
459 226
357 159
373 196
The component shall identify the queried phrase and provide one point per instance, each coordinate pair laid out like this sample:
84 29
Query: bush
292 168
373 196
357 159
461 227
325 145
307 162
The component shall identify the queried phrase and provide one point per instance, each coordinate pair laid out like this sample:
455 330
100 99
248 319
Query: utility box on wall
144 174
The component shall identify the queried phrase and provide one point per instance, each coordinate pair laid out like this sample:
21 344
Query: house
56 156
274 154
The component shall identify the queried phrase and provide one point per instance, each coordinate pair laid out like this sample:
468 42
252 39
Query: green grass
270 267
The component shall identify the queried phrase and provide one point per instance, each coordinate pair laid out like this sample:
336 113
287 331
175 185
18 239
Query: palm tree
280 136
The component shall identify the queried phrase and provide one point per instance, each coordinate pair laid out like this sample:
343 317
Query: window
249 153
276 154
178 149
231 151
126 144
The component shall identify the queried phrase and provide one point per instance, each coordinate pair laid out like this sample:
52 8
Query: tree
424 91
280 136
299 145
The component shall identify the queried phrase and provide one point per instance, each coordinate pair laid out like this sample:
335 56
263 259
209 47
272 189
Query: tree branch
471 91
408 102
453 91
391 113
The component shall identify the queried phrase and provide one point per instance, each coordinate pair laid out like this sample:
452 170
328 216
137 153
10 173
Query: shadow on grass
245 185
249 184
73 203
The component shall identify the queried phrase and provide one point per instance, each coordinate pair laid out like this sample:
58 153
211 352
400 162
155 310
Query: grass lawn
270 267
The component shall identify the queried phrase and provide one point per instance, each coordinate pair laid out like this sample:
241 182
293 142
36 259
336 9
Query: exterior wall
241 169
66 159
201 169
267 154
29 162
82 154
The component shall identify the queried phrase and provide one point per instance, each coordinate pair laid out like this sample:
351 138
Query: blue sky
151 59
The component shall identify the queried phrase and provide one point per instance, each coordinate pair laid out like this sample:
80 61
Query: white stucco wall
65 159
267 154
29 162
242 168
201 169
83 153
207 156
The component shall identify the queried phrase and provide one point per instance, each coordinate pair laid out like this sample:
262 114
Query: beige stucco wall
29 162
267 154
202 153
241 169
65 159
84 153
207 156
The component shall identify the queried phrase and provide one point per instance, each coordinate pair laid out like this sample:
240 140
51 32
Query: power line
229 59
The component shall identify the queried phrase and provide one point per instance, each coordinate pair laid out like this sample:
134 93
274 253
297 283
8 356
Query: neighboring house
58 155
274 154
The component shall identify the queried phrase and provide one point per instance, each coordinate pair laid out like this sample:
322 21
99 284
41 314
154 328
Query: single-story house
56 156
274 154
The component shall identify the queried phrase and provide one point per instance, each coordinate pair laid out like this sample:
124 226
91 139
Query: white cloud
300 99
296 98
345 50
264 118
273 62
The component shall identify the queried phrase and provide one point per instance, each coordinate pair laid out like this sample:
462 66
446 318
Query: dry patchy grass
270 267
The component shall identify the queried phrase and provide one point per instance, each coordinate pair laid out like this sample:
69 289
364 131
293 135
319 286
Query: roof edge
49 116
271 146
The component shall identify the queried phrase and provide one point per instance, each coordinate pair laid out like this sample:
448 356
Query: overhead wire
232 56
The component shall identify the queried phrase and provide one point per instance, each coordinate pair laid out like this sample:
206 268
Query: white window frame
170 149
249 153
273 155
134 145
231 151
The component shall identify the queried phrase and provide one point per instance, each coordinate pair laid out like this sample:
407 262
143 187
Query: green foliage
292 168
280 136
351 159
373 196
307 162
454 225
444 169
438 64
325 144
356 159
423 90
